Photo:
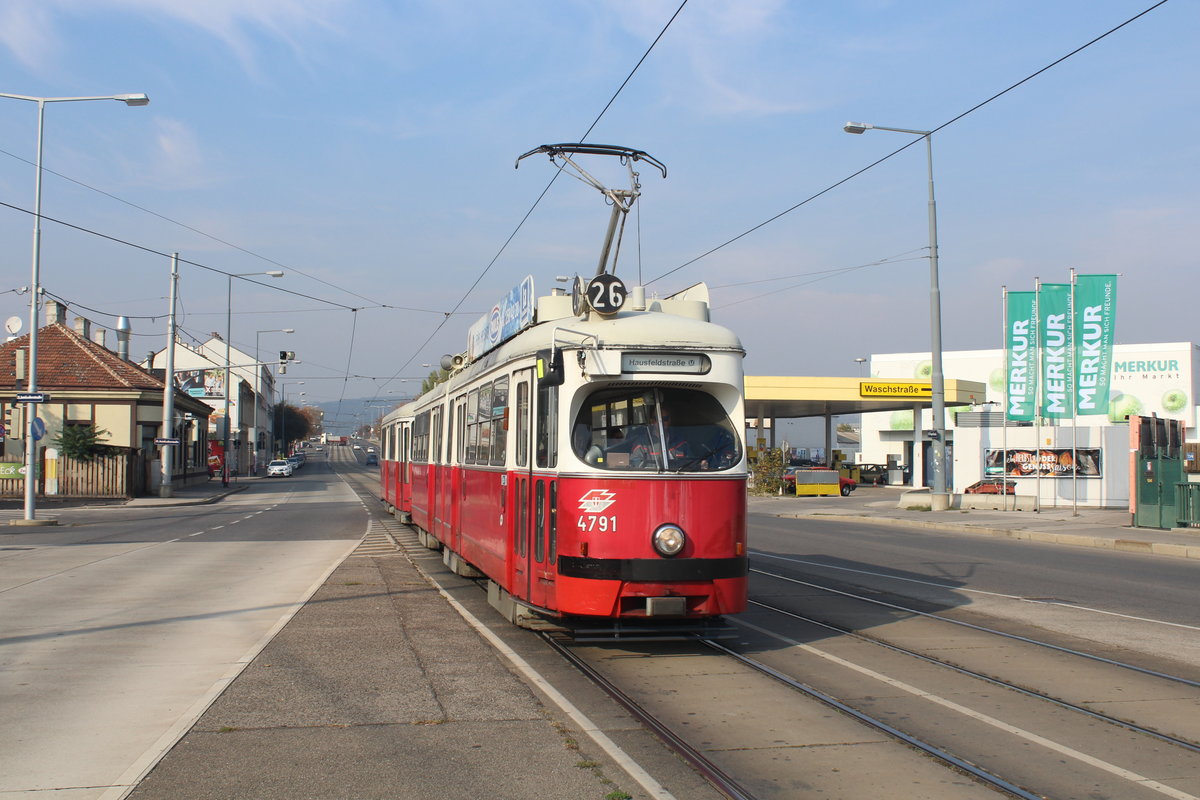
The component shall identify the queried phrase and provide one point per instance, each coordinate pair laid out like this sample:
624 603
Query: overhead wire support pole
165 487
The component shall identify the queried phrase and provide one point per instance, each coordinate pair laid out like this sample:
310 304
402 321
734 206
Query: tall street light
940 500
274 273
35 283
258 366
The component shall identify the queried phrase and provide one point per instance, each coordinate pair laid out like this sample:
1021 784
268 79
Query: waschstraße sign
894 389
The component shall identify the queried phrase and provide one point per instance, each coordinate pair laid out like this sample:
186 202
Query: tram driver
628 431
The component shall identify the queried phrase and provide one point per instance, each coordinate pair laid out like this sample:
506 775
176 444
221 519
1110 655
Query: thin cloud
28 29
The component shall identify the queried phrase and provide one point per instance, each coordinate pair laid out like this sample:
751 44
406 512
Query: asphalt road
119 626
1147 603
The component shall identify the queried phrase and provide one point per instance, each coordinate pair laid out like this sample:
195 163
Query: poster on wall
201 382
1050 462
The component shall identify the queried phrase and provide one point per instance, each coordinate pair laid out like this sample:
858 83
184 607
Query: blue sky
367 147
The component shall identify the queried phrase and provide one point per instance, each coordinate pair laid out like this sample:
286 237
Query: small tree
82 442
768 472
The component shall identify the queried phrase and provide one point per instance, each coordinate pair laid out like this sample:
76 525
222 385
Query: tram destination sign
915 389
681 363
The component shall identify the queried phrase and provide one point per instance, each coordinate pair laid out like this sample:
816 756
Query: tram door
521 493
439 505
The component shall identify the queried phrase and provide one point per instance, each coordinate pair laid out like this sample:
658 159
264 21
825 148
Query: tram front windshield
655 430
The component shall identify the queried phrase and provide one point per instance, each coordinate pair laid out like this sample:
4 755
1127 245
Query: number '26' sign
606 293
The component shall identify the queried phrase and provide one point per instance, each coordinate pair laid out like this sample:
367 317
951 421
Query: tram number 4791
597 522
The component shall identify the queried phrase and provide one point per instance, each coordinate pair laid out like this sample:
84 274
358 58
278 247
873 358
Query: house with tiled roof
88 384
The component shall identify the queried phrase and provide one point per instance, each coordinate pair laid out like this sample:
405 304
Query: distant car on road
873 473
356 447
280 468
371 459
992 486
296 461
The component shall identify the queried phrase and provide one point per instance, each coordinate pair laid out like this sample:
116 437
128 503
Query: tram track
1131 732
1012 746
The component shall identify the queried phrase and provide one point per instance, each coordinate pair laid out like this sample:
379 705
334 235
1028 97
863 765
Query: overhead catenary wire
544 191
909 144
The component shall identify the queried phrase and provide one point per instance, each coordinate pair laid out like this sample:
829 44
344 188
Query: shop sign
894 389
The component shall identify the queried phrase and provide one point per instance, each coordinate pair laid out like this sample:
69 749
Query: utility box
817 482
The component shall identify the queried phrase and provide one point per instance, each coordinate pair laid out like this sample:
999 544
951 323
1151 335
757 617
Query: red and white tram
590 465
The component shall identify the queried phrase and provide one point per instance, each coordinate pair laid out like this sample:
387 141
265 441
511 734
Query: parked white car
279 468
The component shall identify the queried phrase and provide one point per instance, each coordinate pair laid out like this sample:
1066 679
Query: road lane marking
952 588
1029 736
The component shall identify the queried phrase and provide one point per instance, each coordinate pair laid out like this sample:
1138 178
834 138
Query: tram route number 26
606 293
597 522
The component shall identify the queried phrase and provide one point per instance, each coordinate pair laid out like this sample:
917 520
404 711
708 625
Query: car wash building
1080 459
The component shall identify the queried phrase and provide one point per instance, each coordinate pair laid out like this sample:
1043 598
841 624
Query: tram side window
523 424
499 421
472 427
435 437
484 423
462 431
547 427
421 438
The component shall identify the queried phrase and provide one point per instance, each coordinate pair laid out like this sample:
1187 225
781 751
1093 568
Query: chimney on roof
123 331
56 312
83 326
100 336
217 336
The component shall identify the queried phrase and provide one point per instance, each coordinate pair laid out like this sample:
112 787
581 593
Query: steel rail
1096 715
721 781
995 781
984 629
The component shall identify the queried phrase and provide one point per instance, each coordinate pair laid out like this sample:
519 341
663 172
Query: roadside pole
165 488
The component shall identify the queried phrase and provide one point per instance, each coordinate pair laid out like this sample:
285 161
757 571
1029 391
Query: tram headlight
669 540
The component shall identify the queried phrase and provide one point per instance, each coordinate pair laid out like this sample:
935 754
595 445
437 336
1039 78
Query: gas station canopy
790 396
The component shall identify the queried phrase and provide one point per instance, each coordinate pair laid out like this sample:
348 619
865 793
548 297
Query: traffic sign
163 441
32 397
38 428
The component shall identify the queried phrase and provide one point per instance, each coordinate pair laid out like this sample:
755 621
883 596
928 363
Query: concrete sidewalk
1090 527
377 688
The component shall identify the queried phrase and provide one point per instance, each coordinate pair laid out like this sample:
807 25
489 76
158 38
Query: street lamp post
35 283
862 366
940 500
274 273
258 366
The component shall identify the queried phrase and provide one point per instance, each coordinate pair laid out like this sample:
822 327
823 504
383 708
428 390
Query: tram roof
792 396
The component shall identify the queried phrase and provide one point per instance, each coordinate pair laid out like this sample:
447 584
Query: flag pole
1004 418
1037 396
1074 406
